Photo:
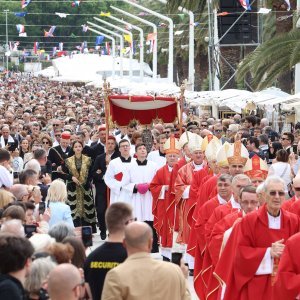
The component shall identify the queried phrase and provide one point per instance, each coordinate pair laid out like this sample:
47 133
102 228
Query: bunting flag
75 3
104 14
13 46
20 28
50 32
35 47
288 4
127 38
84 28
54 51
62 15
21 14
245 4
61 46
107 48
128 27
99 40
25 3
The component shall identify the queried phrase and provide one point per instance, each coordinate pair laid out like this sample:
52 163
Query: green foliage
271 59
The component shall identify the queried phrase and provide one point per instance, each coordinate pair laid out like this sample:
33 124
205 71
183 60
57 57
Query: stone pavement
97 242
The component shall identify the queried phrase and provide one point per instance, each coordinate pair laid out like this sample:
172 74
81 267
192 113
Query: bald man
142 277
65 282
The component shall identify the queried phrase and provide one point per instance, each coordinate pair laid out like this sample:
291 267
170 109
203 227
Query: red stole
254 239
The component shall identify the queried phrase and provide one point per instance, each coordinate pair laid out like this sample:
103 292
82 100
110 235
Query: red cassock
287 285
196 185
254 239
204 213
160 222
172 217
214 249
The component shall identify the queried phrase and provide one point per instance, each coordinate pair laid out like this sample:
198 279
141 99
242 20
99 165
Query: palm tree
272 59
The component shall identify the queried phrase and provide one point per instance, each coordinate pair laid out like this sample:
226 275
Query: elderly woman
260 244
36 281
56 197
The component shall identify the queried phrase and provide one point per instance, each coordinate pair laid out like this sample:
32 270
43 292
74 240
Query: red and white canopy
145 109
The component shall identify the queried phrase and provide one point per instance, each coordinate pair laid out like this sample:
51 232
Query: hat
102 128
207 139
212 149
111 137
195 143
222 155
66 135
256 168
184 138
172 146
237 153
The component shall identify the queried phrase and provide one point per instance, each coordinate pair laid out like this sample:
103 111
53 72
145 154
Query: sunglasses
203 125
58 135
46 143
55 125
284 139
167 132
218 130
274 193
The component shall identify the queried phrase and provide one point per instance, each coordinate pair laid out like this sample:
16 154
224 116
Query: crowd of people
218 199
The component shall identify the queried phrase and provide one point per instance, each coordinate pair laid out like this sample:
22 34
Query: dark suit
101 189
57 157
96 149
85 151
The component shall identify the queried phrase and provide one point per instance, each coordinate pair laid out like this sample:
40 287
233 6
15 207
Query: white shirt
6 178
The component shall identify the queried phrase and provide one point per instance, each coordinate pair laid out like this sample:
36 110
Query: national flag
20 14
20 28
151 40
245 4
25 3
50 32
62 15
127 38
107 48
61 46
35 47
99 40
104 14
84 28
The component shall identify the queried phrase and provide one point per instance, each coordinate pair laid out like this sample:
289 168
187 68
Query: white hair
34 165
260 188
271 179
41 241
14 227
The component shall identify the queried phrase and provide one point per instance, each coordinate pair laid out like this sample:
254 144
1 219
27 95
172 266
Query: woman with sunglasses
46 142
281 167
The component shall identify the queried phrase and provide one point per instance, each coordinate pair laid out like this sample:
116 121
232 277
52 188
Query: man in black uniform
58 154
112 252
98 147
98 171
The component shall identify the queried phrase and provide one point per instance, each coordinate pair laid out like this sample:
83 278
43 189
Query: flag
35 47
161 24
61 46
99 40
84 28
54 51
50 32
62 15
127 38
104 14
151 38
107 48
245 4
20 28
75 3
20 14
25 3
128 27
288 4
23 34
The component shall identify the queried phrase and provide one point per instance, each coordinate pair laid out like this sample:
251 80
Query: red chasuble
172 217
254 239
192 244
288 203
287 285
183 180
160 223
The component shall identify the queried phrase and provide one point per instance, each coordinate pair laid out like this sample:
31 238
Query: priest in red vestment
288 204
159 188
287 285
260 245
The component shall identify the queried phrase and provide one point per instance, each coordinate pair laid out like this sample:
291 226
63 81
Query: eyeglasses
274 193
203 125
55 124
130 220
218 130
167 132
285 139
46 143
57 135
